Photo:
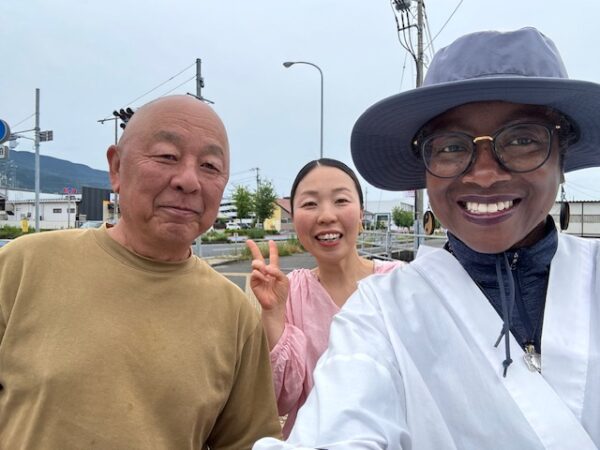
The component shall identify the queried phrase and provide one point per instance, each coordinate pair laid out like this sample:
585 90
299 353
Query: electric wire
406 32
403 70
242 171
179 85
582 187
445 23
428 31
591 193
162 84
400 32
242 180
26 118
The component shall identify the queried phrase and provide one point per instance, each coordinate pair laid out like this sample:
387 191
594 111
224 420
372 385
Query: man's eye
168 157
210 166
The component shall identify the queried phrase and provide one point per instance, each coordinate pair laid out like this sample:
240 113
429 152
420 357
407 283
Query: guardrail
380 244
388 245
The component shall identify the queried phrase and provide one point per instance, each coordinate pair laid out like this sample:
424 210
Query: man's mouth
488 208
181 209
329 237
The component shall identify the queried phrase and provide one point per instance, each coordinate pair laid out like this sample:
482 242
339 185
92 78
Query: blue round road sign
4 131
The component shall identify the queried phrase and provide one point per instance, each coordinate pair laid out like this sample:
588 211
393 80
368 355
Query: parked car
233 226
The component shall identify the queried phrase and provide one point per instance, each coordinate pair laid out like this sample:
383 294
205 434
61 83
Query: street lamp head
288 64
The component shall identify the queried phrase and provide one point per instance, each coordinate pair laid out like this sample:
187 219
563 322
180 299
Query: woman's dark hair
325 162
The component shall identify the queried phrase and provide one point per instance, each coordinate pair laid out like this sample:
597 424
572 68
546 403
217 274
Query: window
72 210
57 210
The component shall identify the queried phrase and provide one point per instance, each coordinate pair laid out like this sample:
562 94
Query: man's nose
186 178
485 170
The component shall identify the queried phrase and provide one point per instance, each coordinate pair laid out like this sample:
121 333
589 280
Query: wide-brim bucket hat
520 66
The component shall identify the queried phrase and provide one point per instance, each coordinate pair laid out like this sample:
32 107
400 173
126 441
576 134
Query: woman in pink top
297 309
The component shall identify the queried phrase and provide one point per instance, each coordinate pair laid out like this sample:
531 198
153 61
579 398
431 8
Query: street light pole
37 160
419 193
288 64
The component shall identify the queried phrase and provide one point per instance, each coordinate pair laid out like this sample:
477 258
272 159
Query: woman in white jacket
494 340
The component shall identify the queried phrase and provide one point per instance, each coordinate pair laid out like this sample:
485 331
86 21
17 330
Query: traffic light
124 114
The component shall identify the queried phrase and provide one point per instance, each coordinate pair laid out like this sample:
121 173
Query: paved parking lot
239 271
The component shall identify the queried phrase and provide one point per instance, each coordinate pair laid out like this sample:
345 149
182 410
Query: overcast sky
90 57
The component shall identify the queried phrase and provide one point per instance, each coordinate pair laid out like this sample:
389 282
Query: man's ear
114 165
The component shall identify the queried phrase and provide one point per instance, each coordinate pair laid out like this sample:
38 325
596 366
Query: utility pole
37 160
418 228
199 83
199 79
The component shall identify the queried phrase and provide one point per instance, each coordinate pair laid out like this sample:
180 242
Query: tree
402 218
264 202
243 201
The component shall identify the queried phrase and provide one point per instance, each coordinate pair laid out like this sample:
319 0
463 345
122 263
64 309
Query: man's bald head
170 168
149 112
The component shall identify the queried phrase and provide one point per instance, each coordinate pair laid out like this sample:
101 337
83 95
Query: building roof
285 204
15 195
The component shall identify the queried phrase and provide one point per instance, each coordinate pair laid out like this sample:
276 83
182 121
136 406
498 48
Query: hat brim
381 138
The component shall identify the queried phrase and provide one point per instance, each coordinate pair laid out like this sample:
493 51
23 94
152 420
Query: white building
585 217
57 211
380 212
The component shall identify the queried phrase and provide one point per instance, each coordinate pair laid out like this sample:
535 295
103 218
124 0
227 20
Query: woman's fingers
258 262
254 250
273 254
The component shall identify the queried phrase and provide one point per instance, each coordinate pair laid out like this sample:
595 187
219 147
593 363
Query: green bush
9 232
271 232
254 233
213 237
285 248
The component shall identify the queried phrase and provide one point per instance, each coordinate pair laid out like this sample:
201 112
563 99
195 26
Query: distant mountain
55 174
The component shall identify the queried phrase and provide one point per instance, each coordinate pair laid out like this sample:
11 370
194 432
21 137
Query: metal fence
384 244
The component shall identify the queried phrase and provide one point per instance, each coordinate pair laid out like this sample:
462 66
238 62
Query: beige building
281 220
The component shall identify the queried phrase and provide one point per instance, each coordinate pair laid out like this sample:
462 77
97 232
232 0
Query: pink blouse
309 312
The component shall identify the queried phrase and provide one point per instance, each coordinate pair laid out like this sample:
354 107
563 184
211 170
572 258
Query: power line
428 30
242 171
569 185
401 31
26 118
445 23
403 70
163 83
179 85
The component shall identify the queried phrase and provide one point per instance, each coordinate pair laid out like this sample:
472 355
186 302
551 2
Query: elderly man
120 338
492 342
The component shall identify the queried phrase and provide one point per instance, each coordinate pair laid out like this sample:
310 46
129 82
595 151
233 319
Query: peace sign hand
268 282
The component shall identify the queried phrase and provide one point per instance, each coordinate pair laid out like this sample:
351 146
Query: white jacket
411 364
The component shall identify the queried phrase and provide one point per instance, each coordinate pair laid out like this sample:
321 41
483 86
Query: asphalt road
286 264
239 271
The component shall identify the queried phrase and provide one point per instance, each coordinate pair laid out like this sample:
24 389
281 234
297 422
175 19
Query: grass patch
285 248
10 232
214 237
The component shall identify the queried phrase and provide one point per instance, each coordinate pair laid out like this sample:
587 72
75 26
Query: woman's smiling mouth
486 208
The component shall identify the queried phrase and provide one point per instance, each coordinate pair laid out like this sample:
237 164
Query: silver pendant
533 360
